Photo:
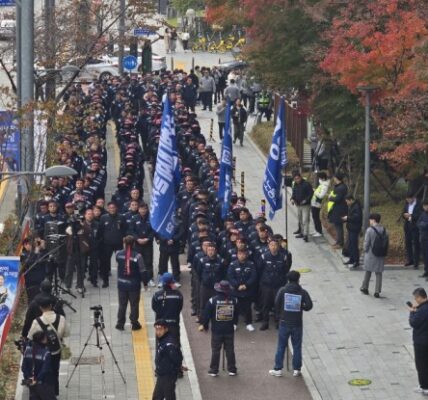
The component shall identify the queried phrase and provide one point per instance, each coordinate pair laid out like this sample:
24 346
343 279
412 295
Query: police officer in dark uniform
130 274
221 311
275 264
168 362
167 304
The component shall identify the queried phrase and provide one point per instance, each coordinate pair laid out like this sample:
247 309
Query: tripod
98 326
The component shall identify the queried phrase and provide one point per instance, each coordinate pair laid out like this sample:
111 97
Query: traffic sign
143 32
129 62
7 3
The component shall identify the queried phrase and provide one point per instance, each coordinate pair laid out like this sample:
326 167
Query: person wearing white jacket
316 202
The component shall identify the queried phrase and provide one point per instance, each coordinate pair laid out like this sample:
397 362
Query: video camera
98 316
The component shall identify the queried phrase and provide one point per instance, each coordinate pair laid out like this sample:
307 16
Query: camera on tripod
98 315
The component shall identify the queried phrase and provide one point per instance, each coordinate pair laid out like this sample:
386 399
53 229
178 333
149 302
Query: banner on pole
10 141
166 179
276 162
226 166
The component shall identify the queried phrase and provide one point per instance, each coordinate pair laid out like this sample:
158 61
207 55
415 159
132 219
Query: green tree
183 5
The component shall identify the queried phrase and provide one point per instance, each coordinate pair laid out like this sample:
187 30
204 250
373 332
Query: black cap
160 322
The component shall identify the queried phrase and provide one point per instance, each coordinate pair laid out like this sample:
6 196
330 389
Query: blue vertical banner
166 179
10 141
226 167
276 162
9 271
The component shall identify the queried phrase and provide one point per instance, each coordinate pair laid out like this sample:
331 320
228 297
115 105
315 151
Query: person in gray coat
373 263
206 90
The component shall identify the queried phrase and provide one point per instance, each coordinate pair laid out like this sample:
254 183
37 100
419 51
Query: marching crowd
239 266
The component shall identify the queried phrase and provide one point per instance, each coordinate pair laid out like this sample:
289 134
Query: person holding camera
130 274
55 328
418 320
36 368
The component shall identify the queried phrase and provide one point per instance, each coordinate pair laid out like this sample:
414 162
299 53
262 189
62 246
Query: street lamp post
367 90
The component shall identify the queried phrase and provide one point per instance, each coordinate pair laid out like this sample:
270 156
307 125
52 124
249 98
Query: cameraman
90 227
37 370
33 265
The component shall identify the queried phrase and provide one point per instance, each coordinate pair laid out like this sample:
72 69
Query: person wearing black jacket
189 94
423 235
418 320
411 213
337 208
354 223
239 118
301 197
167 304
221 311
168 362
290 302
111 231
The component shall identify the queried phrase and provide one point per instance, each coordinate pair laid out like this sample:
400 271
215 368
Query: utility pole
367 90
122 10
27 82
49 15
18 95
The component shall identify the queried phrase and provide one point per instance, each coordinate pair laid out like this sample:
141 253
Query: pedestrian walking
55 328
376 243
290 302
221 117
418 320
232 92
239 118
167 40
168 362
301 198
337 208
174 38
189 94
221 312
423 236
354 223
185 36
316 202
411 211
130 274
206 90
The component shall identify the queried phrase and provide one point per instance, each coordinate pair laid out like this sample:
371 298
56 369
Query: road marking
143 359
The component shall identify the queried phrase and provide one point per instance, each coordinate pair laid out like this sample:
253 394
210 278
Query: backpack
380 244
50 330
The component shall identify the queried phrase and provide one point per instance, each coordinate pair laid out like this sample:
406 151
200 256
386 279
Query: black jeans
411 235
146 252
164 256
207 100
55 364
354 251
75 261
94 265
421 361
195 290
164 388
340 239
228 342
424 247
267 300
106 251
42 391
221 129
316 218
238 132
133 297
244 308
205 294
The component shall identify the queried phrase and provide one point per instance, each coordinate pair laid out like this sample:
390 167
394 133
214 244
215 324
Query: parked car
7 29
231 65
95 69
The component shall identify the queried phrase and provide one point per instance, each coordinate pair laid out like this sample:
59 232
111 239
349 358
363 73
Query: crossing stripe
143 358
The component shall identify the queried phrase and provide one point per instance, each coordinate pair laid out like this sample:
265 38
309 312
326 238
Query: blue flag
166 179
276 162
226 167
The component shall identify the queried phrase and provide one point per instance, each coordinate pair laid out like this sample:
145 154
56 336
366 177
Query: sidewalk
347 335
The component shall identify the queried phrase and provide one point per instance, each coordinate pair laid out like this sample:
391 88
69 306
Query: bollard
172 63
193 63
234 169
219 60
211 138
242 184
263 207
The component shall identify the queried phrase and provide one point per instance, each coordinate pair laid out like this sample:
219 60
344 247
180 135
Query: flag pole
286 211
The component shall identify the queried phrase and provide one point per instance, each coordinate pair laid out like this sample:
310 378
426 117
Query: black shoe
424 275
180 375
204 109
193 313
416 266
258 318
264 327
305 238
105 285
408 264
376 295
94 284
297 232
120 327
364 291
353 266
136 326
242 144
299 236
211 109
212 373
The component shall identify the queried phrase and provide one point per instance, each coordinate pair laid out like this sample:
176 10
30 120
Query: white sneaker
232 373
235 327
418 390
151 283
177 285
296 372
275 372
317 234
250 328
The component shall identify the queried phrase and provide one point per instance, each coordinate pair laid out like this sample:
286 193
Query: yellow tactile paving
143 358
3 187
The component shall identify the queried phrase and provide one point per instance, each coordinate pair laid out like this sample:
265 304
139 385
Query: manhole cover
304 270
359 382
85 360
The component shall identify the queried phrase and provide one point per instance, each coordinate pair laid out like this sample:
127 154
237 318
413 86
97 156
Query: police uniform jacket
274 268
142 229
167 304
221 311
211 270
168 358
112 229
242 274
129 279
